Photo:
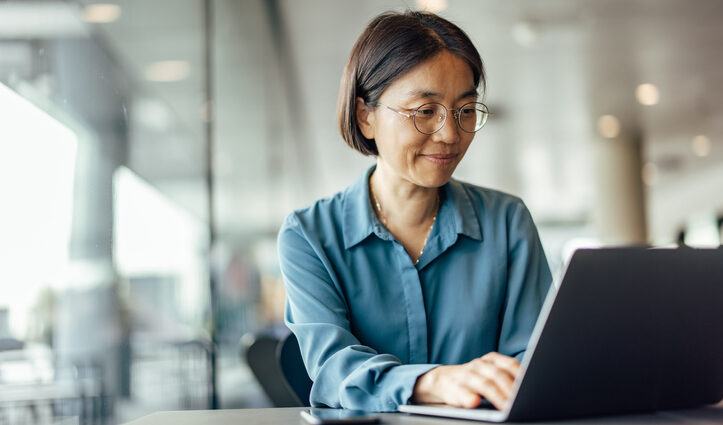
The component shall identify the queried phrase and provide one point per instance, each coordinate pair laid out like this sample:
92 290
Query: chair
260 354
278 368
292 367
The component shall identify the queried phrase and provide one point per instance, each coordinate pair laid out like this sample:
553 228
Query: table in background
280 416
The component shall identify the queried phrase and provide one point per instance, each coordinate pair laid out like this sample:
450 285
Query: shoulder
320 217
502 211
333 222
488 201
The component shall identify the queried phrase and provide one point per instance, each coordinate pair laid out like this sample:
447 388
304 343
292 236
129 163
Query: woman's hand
490 376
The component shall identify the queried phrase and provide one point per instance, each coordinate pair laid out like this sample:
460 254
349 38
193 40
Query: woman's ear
365 118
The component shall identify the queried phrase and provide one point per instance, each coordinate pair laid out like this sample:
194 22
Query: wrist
424 388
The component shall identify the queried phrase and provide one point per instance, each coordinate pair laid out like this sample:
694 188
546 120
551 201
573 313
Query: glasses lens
430 117
473 116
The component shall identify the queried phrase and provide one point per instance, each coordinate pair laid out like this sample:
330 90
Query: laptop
628 330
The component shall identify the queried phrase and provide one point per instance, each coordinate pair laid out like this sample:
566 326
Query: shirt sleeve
528 281
345 373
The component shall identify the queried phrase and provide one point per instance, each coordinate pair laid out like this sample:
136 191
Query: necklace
384 220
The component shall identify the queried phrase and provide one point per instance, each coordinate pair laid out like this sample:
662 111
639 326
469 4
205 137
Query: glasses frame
455 114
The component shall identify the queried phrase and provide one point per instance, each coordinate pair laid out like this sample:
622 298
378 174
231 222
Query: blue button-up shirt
370 322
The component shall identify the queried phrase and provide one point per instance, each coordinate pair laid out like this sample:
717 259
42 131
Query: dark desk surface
703 416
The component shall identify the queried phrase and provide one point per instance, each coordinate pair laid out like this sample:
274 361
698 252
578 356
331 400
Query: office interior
150 150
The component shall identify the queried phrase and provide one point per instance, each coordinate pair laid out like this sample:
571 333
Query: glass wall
104 255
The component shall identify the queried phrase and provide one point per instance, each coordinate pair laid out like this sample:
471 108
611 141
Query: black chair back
260 353
293 369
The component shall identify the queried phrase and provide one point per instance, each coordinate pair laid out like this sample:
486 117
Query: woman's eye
425 112
468 111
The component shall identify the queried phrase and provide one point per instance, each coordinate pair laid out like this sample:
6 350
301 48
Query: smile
441 159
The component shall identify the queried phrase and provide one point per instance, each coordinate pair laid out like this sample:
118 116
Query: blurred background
149 151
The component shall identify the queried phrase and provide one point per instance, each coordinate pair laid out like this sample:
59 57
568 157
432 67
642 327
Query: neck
403 203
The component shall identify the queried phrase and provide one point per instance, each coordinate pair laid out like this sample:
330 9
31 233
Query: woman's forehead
443 75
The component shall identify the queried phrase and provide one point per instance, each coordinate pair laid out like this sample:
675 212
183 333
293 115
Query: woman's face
426 160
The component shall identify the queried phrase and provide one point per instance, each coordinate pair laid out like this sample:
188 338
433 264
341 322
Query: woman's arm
345 372
528 281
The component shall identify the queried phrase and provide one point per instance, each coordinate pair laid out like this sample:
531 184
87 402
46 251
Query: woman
410 286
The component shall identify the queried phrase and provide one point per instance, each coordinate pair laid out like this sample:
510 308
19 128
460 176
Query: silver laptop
628 330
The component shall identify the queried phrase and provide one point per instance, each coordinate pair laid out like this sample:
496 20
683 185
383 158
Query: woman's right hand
490 377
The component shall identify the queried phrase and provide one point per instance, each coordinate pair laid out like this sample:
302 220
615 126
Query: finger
493 394
488 369
462 396
507 363
501 378
487 387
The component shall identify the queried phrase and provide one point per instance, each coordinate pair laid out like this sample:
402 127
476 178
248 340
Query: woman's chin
435 181
437 177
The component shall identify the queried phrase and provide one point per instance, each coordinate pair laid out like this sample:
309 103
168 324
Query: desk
290 415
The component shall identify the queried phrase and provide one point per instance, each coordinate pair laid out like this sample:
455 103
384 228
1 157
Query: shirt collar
359 220
464 218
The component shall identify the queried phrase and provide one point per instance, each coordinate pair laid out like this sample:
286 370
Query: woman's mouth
441 159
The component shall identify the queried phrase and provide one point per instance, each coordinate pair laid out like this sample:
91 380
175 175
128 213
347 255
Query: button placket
414 305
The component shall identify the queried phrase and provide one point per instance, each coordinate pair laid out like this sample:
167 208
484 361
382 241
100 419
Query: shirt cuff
407 376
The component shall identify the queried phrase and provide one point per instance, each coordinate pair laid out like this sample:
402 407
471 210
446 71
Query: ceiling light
647 94
167 71
40 19
701 145
608 126
152 114
524 33
101 13
650 173
433 6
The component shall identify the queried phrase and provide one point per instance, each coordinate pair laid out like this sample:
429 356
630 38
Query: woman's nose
449 133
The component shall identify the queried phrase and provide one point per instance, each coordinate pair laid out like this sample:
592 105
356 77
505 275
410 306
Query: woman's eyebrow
415 94
470 93
422 94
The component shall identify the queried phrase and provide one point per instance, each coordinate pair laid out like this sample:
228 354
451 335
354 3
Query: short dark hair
392 44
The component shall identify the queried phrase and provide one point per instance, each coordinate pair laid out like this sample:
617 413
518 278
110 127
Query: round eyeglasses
431 117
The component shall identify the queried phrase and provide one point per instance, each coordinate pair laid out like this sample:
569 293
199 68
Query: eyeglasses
431 117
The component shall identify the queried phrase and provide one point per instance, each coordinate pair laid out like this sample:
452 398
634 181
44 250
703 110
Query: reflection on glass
159 244
37 164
